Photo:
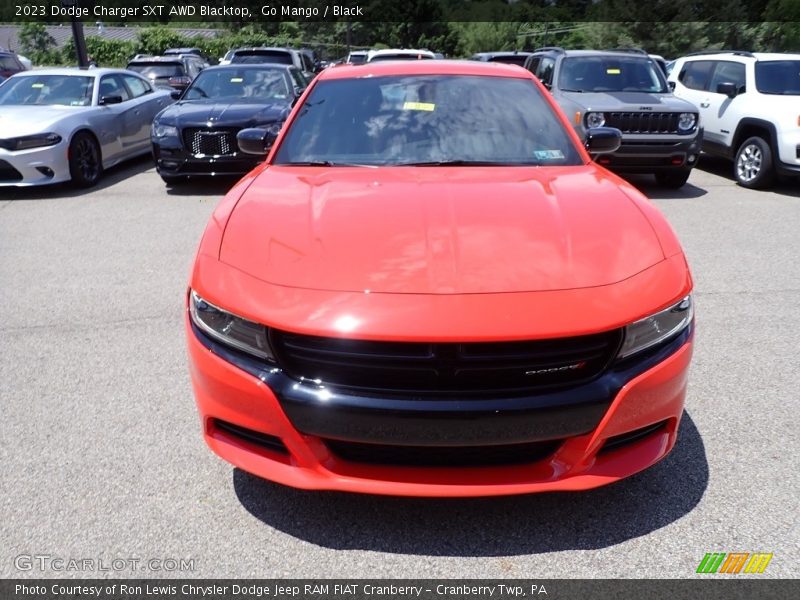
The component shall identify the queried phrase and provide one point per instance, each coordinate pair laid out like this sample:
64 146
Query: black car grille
439 368
9 173
643 122
443 456
210 142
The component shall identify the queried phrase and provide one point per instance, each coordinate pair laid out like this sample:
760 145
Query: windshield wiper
309 163
462 163
576 91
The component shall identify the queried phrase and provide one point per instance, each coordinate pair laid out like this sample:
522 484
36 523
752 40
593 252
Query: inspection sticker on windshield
613 71
236 80
37 86
428 106
548 154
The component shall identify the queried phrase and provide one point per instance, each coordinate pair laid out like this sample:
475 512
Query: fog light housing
46 171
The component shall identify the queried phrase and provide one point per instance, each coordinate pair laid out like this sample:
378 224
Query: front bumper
649 154
37 166
173 160
284 431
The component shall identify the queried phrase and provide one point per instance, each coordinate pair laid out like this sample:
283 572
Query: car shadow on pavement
110 177
199 186
648 186
724 168
504 526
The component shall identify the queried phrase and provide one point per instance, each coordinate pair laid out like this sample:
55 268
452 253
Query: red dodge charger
429 289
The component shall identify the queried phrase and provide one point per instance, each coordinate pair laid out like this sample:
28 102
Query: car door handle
705 104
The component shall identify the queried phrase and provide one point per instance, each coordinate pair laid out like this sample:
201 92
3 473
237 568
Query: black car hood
201 113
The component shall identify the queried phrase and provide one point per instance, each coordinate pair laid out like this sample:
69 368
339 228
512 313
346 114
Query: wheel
673 179
753 165
85 164
174 179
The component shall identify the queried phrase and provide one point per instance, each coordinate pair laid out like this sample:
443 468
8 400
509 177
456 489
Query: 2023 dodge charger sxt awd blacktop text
429 289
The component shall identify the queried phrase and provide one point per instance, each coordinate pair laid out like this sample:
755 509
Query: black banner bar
712 587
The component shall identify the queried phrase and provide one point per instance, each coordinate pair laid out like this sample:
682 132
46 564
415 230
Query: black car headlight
595 119
686 121
229 329
40 140
159 131
657 328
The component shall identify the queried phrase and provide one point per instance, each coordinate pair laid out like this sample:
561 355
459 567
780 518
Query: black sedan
197 134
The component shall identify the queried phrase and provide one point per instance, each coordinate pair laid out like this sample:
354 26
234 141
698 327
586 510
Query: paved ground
102 457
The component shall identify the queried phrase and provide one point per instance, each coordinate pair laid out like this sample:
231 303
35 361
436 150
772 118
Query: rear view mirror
175 94
256 140
671 85
603 140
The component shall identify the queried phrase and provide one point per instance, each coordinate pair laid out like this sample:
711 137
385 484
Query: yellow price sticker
427 106
236 80
613 71
37 86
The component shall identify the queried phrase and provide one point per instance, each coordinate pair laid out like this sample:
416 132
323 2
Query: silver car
70 124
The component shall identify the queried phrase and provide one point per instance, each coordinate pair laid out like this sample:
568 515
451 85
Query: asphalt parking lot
102 456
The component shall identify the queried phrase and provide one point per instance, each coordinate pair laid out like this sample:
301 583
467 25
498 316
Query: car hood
241 114
25 120
628 101
438 230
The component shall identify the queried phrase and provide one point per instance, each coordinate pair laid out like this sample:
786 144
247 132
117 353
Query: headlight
687 121
657 328
595 119
229 329
161 131
39 140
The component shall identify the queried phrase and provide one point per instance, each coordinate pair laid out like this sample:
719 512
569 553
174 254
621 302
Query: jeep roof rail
632 50
550 48
737 52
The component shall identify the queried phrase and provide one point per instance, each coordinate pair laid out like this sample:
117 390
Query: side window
545 71
112 85
533 63
299 79
696 73
729 72
137 87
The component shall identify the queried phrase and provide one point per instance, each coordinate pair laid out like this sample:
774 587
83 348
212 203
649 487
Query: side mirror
671 85
297 95
728 88
603 140
116 99
256 140
175 94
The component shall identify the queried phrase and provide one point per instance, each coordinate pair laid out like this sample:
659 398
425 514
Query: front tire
85 164
753 167
673 179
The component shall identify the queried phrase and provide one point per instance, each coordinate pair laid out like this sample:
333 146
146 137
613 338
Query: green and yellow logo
734 562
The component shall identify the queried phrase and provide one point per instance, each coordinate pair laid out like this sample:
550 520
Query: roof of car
248 67
504 53
271 49
90 72
165 59
620 53
399 51
424 67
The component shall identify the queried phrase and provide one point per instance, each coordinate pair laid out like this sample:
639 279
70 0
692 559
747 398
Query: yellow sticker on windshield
37 86
428 106
613 71
237 79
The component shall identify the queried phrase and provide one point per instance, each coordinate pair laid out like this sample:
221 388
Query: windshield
158 70
357 59
427 119
234 84
611 74
778 77
66 90
261 56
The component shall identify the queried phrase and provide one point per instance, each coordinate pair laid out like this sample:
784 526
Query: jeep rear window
427 120
262 56
778 77
611 74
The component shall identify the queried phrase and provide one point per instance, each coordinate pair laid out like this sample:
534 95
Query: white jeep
749 108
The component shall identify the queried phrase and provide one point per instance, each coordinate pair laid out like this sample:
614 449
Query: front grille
439 368
643 122
9 173
210 142
442 456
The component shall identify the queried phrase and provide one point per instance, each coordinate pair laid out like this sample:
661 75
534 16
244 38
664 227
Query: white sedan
70 124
